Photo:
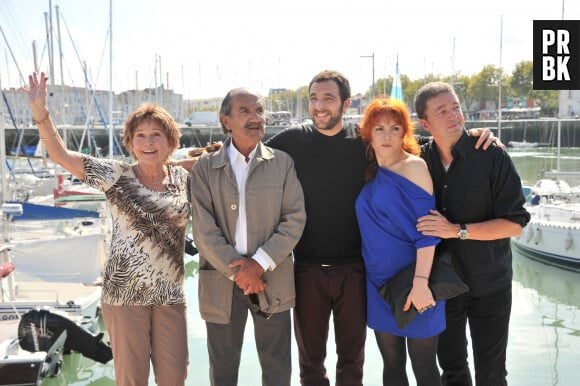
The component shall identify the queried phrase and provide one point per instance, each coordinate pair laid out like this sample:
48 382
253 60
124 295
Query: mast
161 88
137 96
50 43
111 79
559 115
453 64
34 57
155 77
64 105
3 168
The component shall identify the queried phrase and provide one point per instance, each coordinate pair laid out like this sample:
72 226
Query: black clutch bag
443 282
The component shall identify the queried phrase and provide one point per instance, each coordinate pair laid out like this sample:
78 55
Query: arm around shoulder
187 163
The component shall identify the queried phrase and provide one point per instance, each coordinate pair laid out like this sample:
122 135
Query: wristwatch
462 234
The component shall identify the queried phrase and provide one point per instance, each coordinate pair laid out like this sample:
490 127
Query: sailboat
523 143
553 233
32 346
50 299
50 265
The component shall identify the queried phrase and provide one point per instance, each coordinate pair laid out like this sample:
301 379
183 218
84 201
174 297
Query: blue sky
203 48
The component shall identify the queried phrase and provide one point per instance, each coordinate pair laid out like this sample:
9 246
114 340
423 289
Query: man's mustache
254 126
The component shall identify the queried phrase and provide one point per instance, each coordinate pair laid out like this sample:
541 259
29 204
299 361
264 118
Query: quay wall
543 131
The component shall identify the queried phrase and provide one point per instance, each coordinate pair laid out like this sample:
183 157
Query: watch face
463 234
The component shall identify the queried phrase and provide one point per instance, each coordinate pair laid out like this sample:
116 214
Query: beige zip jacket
276 218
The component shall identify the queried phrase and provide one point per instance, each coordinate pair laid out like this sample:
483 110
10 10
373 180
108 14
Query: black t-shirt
331 170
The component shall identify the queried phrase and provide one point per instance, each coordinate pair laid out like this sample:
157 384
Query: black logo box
573 62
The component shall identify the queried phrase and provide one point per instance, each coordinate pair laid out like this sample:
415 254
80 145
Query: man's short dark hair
428 91
340 80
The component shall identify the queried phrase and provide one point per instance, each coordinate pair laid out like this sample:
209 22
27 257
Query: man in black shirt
329 270
479 207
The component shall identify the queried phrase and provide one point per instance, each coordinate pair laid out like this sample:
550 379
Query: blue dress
387 209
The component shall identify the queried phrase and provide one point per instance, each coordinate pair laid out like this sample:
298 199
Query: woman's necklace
150 182
171 186
393 164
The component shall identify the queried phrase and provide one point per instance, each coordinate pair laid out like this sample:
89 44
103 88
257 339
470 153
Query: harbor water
544 339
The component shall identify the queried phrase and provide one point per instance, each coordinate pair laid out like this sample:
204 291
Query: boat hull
556 260
552 236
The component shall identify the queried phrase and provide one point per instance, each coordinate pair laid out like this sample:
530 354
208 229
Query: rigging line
12 25
13 58
94 101
20 146
91 91
77 52
91 103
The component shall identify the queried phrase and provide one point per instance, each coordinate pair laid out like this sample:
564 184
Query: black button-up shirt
478 186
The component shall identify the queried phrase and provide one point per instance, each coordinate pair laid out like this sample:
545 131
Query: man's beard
331 124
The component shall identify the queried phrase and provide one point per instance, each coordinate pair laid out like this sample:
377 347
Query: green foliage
521 81
474 91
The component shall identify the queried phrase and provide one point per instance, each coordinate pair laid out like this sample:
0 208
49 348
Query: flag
397 89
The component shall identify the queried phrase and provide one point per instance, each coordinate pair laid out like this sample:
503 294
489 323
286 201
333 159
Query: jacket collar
220 158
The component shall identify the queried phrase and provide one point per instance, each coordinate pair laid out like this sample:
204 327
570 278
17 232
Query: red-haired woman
398 191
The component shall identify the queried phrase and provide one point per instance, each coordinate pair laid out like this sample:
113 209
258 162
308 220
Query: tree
383 86
461 85
521 81
547 100
483 85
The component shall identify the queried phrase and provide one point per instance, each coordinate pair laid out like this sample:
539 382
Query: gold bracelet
43 120
52 137
422 277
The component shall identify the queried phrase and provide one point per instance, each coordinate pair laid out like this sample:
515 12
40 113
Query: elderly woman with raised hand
399 191
143 300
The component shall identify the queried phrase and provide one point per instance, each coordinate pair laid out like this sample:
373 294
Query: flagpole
373 58
500 76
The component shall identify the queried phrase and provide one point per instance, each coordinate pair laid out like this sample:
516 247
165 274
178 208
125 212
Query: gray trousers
273 340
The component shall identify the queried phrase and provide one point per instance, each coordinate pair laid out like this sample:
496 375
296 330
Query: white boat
56 283
58 262
23 367
35 346
523 144
553 233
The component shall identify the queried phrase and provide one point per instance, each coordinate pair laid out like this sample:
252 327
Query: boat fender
529 234
6 269
190 248
568 242
38 329
538 236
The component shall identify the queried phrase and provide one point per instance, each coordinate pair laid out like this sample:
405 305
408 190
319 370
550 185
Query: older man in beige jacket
248 214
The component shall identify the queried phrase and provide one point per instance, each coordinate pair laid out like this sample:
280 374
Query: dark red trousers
322 291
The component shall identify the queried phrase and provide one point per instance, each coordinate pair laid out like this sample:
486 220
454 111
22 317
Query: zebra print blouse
145 264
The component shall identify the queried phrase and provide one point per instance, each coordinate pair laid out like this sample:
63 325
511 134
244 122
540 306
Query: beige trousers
141 335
